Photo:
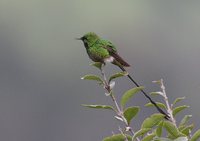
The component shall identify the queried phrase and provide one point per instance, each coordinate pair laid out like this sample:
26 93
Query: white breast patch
109 59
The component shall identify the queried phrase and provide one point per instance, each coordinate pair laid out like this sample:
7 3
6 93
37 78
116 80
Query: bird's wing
113 52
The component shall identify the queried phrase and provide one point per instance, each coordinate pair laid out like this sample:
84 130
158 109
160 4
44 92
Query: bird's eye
84 40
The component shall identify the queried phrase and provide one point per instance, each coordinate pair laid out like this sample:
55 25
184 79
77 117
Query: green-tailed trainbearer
100 50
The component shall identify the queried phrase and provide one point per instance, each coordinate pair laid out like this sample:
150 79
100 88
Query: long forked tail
145 94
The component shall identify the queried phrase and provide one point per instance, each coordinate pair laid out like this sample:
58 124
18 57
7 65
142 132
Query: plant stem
116 104
120 129
119 111
169 108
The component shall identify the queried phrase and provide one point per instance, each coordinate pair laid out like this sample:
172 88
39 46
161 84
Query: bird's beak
78 38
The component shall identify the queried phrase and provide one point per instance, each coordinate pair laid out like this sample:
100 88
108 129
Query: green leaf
99 106
120 74
161 105
187 130
149 137
156 93
128 94
171 129
97 65
92 77
178 99
161 139
181 139
159 129
152 121
179 109
196 136
118 137
159 82
141 132
130 113
185 120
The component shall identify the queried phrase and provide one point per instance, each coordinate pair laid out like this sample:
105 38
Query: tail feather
145 94
120 60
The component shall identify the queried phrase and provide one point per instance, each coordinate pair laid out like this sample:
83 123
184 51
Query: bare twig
169 108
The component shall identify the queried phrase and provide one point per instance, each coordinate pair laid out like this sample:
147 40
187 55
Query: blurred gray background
41 63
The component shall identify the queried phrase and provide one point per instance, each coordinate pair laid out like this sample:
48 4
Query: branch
164 95
119 111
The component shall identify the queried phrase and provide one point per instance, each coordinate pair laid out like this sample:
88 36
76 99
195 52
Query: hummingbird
100 50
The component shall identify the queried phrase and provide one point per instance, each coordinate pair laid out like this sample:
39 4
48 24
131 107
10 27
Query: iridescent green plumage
100 50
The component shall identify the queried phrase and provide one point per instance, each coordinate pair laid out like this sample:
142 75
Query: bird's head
89 39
